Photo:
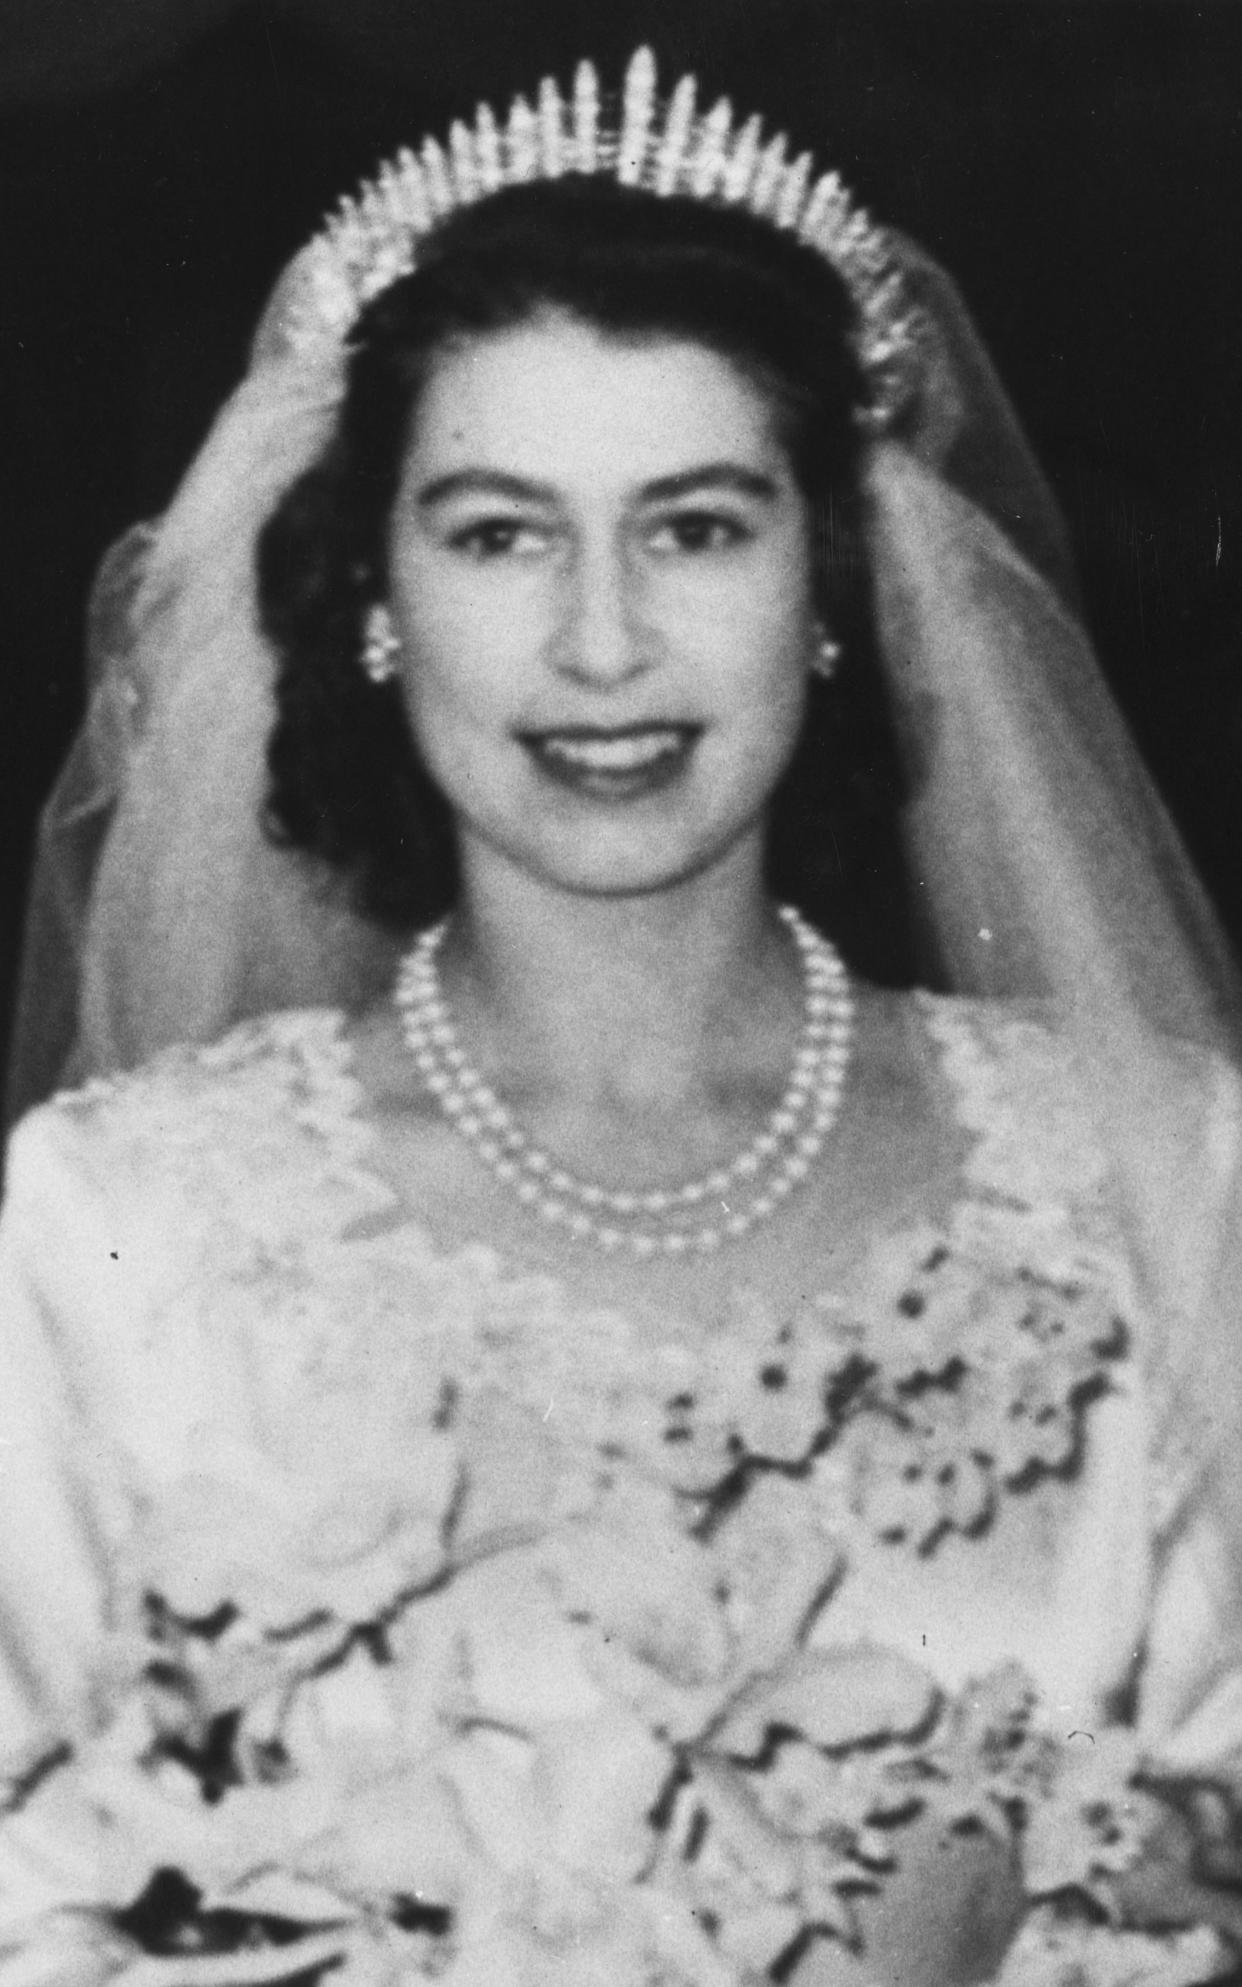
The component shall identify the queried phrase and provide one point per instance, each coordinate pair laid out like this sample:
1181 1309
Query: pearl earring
827 654
381 645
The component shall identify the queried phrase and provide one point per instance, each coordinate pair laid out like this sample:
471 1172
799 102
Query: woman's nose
602 638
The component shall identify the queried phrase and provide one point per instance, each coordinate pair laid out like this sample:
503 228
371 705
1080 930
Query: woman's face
600 573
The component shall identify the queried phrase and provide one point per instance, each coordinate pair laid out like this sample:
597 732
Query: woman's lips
614 763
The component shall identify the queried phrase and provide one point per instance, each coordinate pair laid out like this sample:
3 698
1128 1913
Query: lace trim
1016 1090
1031 1154
997 1329
252 1130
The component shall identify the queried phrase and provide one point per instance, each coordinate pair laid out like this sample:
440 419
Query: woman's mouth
615 763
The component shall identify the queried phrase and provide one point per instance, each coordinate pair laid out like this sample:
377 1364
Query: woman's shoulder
241 1104
992 1046
1044 1098
1028 1031
1008 1070
998 1075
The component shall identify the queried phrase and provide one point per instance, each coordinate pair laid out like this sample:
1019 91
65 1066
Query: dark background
1076 163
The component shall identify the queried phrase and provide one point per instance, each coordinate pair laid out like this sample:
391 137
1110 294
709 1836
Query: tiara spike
465 166
837 236
522 143
637 104
707 165
740 169
586 118
768 177
671 152
487 150
436 176
791 194
827 199
551 130
388 198
410 182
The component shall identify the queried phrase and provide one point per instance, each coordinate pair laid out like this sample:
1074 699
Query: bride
557 1428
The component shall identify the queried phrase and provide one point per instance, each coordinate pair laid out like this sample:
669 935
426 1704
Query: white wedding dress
629 1653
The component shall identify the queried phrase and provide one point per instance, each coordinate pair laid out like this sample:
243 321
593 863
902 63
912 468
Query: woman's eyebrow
727 476
486 483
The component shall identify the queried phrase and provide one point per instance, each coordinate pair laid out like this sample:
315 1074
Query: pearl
775 1162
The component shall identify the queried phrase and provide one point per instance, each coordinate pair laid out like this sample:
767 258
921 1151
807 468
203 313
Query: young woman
614 1447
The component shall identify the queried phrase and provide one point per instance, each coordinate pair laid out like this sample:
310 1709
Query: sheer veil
1044 862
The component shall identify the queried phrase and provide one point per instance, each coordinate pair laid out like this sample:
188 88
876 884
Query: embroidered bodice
609 1650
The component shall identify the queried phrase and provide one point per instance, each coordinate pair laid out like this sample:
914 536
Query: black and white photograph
621 1234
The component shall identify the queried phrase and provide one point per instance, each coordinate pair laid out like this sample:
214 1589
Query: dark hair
346 780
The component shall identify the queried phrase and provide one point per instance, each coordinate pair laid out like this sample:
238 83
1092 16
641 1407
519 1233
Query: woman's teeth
620 752
614 765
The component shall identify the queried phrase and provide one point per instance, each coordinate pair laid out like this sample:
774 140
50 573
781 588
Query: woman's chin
612 859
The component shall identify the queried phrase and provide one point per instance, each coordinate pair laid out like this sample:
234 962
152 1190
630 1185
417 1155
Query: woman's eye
699 531
497 538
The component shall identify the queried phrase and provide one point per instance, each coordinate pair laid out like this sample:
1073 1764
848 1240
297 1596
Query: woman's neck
639 1001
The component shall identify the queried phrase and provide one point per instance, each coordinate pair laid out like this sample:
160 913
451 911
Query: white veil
1047 863
1044 860
157 897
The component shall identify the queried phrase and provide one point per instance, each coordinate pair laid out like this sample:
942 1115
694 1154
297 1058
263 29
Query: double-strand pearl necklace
659 1220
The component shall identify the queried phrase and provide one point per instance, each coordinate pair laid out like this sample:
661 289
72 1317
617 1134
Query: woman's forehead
557 400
